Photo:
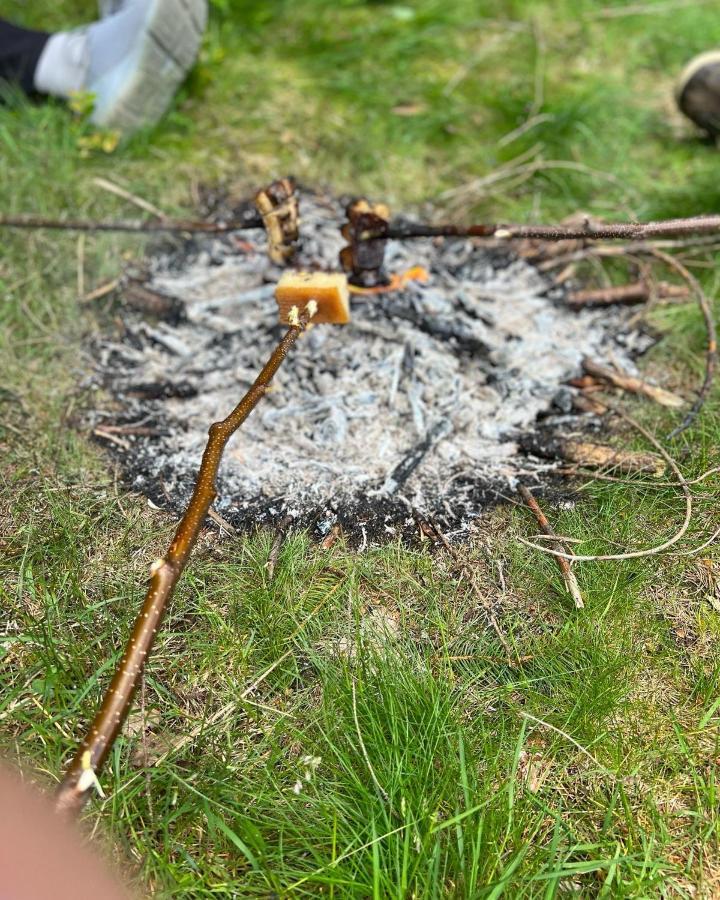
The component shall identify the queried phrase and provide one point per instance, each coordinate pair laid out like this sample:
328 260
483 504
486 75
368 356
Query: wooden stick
163 225
571 582
625 294
589 230
81 775
600 456
634 385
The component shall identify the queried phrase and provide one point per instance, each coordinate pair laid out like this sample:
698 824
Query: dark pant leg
20 50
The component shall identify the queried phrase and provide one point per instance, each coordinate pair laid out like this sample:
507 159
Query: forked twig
81 776
571 582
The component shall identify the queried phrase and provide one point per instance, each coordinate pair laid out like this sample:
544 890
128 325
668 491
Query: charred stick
80 777
600 456
571 582
157 304
276 546
633 231
594 456
163 225
626 294
634 385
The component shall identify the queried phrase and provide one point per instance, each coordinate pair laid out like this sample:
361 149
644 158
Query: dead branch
157 304
588 230
651 551
571 582
276 546
624 294
634 385
81 775
597 456
162 225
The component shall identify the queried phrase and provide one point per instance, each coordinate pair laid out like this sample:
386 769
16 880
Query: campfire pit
421 403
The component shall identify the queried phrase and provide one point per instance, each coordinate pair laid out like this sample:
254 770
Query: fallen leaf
409 109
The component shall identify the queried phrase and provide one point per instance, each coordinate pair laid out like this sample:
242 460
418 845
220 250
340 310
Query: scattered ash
419 404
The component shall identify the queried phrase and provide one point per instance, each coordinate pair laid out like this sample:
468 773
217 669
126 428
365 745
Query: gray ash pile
419 404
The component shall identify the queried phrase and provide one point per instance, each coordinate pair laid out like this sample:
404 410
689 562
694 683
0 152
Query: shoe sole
136 92
711 57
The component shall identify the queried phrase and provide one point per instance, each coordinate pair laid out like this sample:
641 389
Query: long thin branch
81 775
633 231
161 225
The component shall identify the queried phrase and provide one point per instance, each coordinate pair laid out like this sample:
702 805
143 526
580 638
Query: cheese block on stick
328 289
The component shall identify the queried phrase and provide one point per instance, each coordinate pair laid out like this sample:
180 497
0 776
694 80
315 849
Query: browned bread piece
328 289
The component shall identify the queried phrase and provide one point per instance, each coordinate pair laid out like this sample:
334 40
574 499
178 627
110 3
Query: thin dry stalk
81 776
571 582
633 385
623 294
711 351
106 185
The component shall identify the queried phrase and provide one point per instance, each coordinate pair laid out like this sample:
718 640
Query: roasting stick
81 776
162 225
626 231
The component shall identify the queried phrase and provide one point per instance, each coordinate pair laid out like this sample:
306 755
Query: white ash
417 404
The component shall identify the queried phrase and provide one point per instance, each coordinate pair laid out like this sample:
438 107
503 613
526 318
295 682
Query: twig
634 385
81 266
81 775
112 188
651 551
599 476
571 582
276 545
600 456
626 294
595 231
101 291
711 352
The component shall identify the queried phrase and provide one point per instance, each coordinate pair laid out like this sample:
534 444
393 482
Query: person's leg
20 50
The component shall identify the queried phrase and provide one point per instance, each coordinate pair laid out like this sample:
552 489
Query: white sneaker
138 56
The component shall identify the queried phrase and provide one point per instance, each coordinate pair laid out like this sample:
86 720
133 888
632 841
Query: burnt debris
365 231
278 206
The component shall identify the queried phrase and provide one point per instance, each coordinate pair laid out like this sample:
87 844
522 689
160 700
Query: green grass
424 764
